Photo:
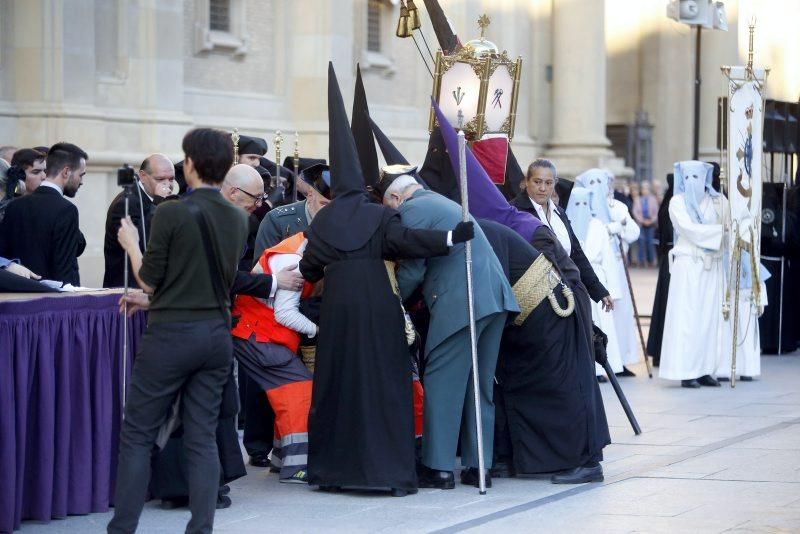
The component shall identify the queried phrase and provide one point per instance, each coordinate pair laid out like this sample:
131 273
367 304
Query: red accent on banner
491 154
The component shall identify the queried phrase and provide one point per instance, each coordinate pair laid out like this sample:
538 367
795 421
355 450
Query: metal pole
462 163
737 259
783 264
125 315
697 81
635 309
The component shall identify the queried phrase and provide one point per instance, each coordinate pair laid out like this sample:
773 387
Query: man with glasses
156 176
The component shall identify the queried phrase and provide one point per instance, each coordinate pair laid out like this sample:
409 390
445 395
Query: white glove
614 228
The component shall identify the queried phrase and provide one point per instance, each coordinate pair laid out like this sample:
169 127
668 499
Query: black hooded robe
664 234
361 423
553 406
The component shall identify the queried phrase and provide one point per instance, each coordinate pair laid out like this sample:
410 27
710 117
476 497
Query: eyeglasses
257 200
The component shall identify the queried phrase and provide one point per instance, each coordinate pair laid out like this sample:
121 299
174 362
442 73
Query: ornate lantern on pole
477 87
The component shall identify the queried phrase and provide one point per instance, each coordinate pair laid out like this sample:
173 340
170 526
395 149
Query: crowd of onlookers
643 201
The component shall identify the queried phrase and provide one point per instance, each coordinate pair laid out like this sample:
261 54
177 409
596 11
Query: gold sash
535 285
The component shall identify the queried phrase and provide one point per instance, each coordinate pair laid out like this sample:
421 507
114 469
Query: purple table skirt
60 409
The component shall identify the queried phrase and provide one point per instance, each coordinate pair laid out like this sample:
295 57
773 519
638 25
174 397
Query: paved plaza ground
708 460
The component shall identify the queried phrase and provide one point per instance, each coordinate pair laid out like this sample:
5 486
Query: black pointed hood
350 220
437 171
515 177
389 151
362 134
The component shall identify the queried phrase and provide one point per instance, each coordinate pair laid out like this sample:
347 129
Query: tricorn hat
318 177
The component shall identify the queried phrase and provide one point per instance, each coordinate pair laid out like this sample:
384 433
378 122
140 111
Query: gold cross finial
235 140
483 22
752 27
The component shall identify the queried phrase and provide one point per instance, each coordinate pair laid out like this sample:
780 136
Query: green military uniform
280 223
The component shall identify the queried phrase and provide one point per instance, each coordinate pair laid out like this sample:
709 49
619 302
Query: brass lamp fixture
477 87
404 28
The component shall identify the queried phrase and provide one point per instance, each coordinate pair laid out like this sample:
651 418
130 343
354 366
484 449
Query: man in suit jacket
448 386
41 229
536 199
156 176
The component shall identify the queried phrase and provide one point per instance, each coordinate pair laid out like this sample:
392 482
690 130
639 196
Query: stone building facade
125 78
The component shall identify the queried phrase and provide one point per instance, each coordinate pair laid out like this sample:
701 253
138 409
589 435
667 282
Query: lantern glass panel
459 92
498 99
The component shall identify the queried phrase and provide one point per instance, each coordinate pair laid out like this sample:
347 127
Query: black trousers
195 357
259 419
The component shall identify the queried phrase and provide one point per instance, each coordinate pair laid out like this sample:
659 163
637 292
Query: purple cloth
60 410
485 200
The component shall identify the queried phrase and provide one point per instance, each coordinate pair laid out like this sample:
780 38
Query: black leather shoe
693 384
626 372
601 379
470 476
397 492
260 459
503 470
432 478
579 475
175 503
708 380
744 378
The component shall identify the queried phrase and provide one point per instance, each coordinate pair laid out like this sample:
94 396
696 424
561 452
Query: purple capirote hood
485 200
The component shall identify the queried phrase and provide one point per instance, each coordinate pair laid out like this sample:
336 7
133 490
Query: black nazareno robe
361 424
664 232
545 370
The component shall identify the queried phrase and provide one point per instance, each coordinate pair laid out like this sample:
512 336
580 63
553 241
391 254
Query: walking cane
626 407
635 309
462 164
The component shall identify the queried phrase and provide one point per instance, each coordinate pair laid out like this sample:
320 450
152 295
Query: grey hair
399 185
4 166
542 163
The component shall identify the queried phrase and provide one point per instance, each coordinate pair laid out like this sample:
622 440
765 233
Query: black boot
708 380
589 472
432 478
503 469
625 372
693 383
470 476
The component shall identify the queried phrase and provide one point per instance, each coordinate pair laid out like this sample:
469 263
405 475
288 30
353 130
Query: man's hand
128 235
21 270
608 303
288 279
137 301
614 228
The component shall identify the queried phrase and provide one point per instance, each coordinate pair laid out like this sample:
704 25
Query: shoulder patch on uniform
285 210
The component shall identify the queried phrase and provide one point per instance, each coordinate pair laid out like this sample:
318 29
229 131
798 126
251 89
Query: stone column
579 88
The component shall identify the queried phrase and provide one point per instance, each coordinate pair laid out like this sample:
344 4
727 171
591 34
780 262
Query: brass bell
413 12
403 27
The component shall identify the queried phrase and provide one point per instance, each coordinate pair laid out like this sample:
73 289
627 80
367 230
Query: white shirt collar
540 210
141 186
55 186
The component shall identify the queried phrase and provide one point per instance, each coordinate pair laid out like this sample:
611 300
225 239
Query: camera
125 176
